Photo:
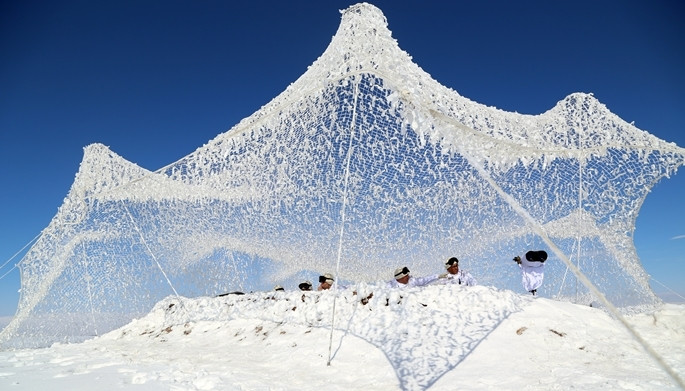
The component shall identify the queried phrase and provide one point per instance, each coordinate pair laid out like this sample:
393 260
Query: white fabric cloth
462 278
532 274
414 281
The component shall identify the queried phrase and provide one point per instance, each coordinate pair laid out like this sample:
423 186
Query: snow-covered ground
436 337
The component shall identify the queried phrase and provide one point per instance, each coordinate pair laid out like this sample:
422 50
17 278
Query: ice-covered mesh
365 153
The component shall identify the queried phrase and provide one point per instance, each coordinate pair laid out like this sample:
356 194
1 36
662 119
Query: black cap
451 262
536 256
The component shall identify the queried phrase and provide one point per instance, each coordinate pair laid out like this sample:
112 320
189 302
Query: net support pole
348 158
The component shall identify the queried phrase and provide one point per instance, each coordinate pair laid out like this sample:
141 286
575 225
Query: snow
441 337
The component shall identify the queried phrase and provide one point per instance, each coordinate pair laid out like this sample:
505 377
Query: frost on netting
421 173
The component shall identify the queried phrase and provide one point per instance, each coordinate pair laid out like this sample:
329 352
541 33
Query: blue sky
154 80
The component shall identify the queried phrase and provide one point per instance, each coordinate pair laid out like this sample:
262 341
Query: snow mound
433 337
418 330
436 337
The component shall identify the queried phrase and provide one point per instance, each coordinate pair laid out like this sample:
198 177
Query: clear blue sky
154 80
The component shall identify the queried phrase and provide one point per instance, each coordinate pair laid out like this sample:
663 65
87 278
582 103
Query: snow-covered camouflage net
362 165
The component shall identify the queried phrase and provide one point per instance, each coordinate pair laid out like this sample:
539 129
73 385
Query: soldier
457 276
404 279
532 270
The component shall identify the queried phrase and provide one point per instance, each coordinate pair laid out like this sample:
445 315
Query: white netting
431 175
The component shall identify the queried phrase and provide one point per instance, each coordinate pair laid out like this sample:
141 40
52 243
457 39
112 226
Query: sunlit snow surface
436 337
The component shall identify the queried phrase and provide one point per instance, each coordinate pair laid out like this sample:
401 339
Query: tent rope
17 253
669 289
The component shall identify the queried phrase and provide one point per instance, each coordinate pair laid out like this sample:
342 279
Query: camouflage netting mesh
365 153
